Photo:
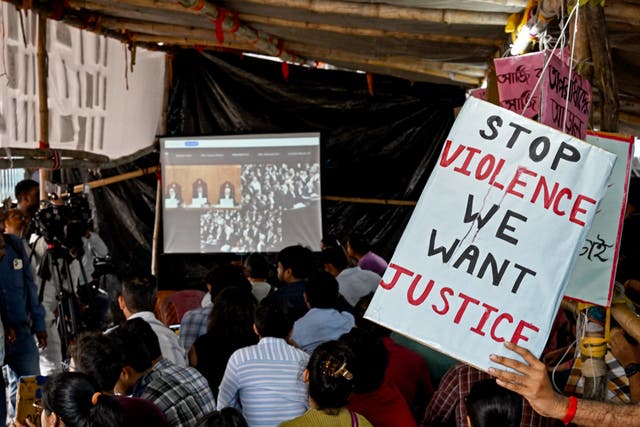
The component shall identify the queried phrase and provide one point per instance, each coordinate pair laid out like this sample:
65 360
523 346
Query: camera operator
21 313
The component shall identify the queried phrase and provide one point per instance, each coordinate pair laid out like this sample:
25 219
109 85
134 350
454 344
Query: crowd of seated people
299 352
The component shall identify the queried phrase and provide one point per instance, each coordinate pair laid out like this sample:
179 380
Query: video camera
63 221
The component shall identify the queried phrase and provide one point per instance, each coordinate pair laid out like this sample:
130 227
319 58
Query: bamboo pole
155 242
628 320
191 43
369 201
230 23
389 12
43 97
370 32
603 76
442 70
118 178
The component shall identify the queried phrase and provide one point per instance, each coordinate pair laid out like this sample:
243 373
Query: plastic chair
161 297
177 304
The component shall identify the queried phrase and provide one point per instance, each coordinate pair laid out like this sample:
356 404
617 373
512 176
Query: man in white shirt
137 301
353 282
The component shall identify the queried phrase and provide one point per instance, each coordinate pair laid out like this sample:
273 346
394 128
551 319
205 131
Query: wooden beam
385 11
43 105
369 32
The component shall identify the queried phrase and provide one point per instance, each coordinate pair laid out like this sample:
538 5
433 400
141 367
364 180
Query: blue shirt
193 326
18 293
321 325
265 382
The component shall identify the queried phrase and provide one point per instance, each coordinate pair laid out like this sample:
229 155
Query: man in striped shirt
265 380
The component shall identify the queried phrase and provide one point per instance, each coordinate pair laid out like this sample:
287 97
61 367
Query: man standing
27 194
21 313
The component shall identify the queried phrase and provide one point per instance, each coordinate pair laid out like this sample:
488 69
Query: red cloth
384 407
447 405
409 372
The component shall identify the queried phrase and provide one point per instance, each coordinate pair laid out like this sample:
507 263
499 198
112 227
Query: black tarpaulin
380 146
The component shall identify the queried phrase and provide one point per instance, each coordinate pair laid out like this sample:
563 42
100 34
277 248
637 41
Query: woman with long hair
330 379
71 399
230 328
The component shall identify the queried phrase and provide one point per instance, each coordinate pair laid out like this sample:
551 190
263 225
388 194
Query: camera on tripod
63 221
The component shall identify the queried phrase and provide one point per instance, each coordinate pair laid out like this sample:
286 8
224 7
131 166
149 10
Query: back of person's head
257 266
139 344
359 244
297 258
331 375
370 359
489 405
23 187
321 290
76 400
335 257
99 357
330 241
358 312
226 276
226 417
139 294
15 221
272 318
232 314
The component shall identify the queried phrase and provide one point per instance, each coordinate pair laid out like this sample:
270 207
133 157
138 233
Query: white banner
593 276
488 250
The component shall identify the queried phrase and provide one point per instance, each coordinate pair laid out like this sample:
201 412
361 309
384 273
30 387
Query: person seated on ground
330 382
194 323
531 381
295 264
378 401
138 300
258 269
230 328
226 417
71 399
265 380
354 282
183 394
99 357
322 322
407 370
360 249
489 405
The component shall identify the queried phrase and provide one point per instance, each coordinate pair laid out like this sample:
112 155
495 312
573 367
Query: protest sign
488 250
593 275
517 77
555 91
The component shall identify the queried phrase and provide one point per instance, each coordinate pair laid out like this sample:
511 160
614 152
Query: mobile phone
29 398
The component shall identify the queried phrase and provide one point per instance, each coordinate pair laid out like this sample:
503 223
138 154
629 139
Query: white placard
488 250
